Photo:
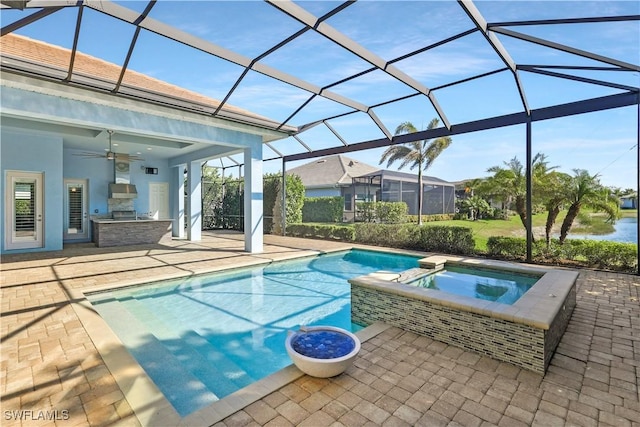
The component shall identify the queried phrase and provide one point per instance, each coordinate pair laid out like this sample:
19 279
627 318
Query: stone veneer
121 233
524 334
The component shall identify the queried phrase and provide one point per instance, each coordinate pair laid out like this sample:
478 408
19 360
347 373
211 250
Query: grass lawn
485 228
589 223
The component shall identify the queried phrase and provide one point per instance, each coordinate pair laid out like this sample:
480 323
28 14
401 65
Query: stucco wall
322 192
33 152
99 172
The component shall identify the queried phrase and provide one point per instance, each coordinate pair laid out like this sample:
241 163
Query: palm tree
510 183
420 154
586 190
554 192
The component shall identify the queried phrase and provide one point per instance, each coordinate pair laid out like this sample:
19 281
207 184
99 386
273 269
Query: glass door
24 216
76 221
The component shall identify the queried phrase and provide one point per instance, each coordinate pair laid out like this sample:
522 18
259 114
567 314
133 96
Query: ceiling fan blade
123 156
96 155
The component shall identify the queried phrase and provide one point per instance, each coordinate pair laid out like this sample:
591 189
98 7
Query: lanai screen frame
630 95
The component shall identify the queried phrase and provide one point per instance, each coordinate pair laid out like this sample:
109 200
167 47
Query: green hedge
323 209
384 212
592 253
432 218
445 239
392 235
391 212
322 231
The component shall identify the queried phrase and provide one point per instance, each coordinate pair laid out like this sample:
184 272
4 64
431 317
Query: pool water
491 285
203 338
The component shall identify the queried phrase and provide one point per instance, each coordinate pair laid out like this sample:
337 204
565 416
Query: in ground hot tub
322 351
524 332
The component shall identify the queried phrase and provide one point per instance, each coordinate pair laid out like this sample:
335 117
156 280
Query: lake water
626 232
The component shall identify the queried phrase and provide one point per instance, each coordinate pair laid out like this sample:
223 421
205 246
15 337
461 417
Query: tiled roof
331 171
45 54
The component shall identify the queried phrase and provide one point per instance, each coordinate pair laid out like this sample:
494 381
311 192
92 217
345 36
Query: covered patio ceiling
271 58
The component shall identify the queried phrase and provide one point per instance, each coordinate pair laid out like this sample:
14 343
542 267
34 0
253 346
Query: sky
602 142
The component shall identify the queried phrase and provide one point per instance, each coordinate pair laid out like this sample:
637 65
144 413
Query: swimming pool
203 338
491 285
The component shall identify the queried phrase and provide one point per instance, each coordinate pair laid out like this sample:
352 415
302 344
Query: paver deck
52 374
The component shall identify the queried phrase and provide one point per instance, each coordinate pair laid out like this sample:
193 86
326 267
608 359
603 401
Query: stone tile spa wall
520 344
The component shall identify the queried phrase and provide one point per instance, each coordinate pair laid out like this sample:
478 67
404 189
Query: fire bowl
322 351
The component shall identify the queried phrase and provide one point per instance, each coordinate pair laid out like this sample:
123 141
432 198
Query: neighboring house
332 176
63 144
630 201
392 186
356 181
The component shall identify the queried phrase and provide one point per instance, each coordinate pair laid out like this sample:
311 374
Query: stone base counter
109 232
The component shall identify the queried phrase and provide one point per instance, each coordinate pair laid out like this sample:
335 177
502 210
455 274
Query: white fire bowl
322 368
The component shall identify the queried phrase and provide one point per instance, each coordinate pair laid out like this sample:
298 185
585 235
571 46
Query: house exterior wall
99 173
322 192
33 152
25 100
629 203
39 152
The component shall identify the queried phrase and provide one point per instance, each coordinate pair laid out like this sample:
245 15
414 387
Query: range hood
122 188
122 191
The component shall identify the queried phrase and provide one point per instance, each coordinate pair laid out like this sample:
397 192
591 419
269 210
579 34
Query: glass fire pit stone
322 351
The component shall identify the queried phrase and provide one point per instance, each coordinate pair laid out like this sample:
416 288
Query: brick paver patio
52 373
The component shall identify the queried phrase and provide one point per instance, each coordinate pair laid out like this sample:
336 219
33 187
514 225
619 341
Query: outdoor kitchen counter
111 232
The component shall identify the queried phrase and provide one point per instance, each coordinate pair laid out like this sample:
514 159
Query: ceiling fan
110 154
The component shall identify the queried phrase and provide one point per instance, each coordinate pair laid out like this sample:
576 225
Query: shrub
391 212
323 231
323 209
295 201
270 192
446 239
365 211
434 217
507 247
392 235
592 253
452 240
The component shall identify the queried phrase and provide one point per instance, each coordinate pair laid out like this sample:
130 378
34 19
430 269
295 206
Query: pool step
156 359
214 369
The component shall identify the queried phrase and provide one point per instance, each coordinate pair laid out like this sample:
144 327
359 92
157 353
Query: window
347 202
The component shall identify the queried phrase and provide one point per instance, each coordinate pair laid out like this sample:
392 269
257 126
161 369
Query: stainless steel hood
122 191
122 188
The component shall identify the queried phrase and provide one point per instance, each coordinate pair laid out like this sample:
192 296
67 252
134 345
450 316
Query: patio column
253 209
177 207
194 187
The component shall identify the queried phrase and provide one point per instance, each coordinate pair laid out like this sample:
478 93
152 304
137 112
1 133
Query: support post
177 213
253 199
284 197
638 182
194 187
